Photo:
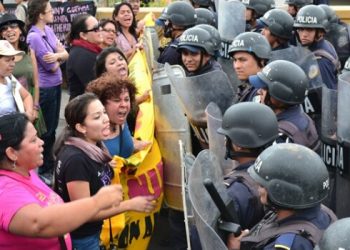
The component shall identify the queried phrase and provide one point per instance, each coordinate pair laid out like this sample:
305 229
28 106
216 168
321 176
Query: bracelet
36 107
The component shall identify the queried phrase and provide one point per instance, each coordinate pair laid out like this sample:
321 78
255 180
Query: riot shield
308 62
329 140
343 136
227 67
197 92
205 211
148 47
171 125
231 19
155 41
216 140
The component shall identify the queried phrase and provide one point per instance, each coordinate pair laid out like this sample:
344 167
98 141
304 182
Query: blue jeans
50 103
91 242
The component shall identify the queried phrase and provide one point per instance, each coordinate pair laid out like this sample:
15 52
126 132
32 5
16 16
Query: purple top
43 43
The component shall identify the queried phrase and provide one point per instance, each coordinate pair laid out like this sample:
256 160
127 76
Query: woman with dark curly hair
118 96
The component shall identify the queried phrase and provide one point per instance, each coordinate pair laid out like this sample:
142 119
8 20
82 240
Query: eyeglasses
96 28
9 26
109 31
48 11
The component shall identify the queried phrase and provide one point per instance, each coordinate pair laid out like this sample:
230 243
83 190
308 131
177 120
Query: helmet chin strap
233 155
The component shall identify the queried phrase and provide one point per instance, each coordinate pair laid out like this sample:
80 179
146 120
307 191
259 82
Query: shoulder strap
329 56
25 9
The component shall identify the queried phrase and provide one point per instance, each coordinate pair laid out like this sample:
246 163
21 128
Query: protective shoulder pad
285 241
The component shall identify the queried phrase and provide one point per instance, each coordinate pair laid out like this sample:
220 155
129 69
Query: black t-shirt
74 165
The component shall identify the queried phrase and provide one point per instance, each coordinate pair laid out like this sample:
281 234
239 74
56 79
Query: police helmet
330 13
197 38
249 125
336 236
251 42
180 13
205 16
311 16
259 6
279 22
294 176
214 33
285 81
298 3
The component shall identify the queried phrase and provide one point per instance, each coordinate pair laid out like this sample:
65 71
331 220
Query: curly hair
108 87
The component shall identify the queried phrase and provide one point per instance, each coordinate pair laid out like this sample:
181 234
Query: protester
31 214
84 38
50 53
83 166
13 97
21 11
109 31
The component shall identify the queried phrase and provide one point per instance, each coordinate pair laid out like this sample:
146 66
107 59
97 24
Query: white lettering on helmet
245 1
189 38
347 65
266 70
307 19
257 164
238 43
326 184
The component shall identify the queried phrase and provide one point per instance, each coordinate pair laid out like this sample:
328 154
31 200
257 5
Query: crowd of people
58 193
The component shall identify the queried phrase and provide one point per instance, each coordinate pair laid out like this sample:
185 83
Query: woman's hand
51 57
140 145
144 97
109 196
144 204
234 243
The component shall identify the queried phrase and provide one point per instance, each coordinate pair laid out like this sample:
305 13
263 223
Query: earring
14 166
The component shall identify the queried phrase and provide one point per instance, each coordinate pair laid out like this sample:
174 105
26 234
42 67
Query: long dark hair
74 113
35 8
132 28
78 25
100 64
12 129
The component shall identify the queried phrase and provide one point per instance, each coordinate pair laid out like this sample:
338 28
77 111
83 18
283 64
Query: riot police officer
248 128
205 16
177 17
250 52
336 236
338 34
254 10
311 24
277 28
283 87
295 5
293 181
197 52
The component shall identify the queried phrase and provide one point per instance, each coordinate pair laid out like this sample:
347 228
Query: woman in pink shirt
32 216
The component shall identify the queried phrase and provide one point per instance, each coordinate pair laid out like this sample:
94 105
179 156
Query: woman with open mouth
126 24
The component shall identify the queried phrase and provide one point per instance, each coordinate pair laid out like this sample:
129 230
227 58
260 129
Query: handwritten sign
63 13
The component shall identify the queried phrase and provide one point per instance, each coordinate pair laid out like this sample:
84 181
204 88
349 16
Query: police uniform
303 132
242 189
299 231
246 92
211 65
327 67
170 54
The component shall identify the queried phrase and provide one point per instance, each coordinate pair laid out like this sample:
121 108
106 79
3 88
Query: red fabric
87 45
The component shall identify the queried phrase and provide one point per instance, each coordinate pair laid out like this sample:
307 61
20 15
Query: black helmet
279 22
298 3
336 236
285 81
180 13
251 42
330 13
294 176
259 6
214 33
311 16
249 125
198 38
205 16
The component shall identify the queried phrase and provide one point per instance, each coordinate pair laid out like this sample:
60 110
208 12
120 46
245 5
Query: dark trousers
50 103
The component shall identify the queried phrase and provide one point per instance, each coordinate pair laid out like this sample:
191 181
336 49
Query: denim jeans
50 103
91 242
